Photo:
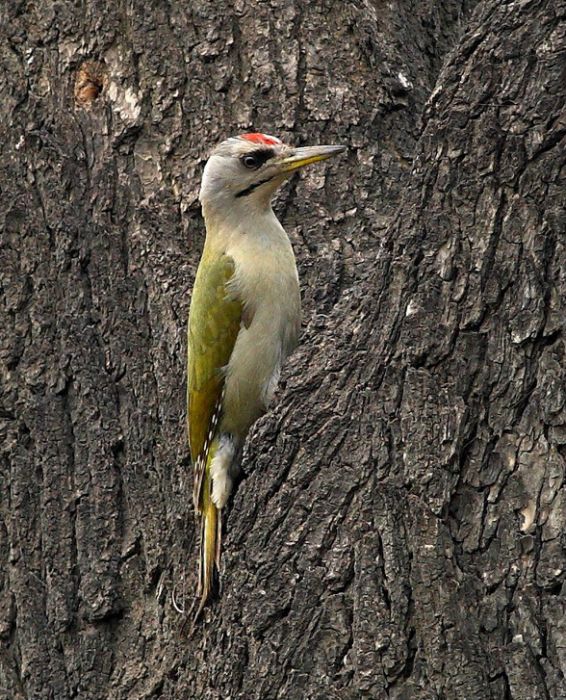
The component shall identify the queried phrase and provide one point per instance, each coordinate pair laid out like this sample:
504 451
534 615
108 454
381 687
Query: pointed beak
308 154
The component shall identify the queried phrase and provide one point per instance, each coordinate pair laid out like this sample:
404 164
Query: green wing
214 323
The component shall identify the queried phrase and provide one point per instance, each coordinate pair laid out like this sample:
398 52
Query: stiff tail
210 539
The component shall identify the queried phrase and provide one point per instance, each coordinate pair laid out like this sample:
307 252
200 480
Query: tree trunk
400 530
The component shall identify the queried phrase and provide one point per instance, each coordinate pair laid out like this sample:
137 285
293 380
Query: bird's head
247 169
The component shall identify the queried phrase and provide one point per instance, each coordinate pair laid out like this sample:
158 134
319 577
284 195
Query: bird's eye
251 162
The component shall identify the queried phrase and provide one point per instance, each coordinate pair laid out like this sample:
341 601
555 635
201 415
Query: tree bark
400 530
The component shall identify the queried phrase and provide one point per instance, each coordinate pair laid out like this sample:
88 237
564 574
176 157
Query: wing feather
215 319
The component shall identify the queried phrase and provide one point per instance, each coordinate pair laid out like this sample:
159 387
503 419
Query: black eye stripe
260 156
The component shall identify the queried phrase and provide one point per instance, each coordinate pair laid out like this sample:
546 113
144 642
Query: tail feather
210 539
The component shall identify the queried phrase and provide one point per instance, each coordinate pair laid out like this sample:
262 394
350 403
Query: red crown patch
262 138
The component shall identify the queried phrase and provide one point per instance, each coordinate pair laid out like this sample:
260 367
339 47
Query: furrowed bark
399 533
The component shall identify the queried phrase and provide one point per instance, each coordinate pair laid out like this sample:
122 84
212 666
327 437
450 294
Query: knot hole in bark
90 81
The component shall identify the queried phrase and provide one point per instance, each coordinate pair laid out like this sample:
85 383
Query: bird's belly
253 371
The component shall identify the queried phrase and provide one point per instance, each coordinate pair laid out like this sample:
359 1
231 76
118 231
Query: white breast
267 282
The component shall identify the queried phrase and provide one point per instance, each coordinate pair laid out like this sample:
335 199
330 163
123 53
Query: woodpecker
244 319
